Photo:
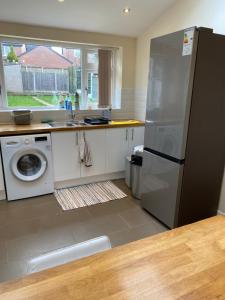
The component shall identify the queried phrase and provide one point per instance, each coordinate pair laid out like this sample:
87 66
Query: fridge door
160 187
169 92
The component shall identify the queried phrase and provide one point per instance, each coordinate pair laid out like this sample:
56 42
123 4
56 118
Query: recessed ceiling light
126 10
61 1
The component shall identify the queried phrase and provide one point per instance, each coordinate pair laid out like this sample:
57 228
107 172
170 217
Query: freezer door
160 188
169 92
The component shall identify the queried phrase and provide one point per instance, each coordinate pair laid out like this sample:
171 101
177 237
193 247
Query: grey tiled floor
34 226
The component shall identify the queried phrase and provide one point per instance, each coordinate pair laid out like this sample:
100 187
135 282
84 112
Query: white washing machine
27 165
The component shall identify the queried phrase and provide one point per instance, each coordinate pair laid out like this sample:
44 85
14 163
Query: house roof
44 57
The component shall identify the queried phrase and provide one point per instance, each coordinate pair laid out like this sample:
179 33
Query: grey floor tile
28 210
137 233
19 229
112 207
21 248
37 244
4 219
121 184
135 216
12 270
65 220
77 215
98 226
3 252
31 227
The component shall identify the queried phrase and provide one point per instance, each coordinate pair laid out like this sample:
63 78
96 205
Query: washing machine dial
26 141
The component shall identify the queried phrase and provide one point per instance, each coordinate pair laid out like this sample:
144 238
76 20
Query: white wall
183 14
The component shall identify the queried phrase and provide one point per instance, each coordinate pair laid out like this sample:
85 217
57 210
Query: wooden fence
23 79
45 80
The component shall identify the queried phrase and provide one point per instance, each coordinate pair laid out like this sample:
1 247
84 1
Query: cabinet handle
132 134
126 134
77 138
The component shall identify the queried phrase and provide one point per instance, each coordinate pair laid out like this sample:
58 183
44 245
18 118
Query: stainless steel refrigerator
184 145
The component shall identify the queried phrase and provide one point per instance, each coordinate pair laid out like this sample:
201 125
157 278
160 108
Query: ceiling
104 16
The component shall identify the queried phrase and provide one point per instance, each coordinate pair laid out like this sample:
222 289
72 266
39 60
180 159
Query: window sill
32 109
56 109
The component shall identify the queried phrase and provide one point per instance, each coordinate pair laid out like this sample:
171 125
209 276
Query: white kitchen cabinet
120 143
65 151
108 147
117 148
96 140
136 137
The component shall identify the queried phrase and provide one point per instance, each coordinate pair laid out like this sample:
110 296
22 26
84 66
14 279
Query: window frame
6 51
87 68
116 82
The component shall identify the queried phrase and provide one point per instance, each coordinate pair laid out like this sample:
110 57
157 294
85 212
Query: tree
12 57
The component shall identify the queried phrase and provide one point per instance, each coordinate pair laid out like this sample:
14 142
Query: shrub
12 57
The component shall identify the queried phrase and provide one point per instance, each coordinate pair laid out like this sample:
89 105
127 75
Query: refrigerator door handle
126 134
149 122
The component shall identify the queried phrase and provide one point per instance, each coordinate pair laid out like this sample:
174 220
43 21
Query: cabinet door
65 152
136 137
117 146
96 140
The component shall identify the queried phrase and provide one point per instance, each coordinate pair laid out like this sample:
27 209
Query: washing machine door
28 165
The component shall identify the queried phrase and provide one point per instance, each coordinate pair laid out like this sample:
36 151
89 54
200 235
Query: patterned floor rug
88 194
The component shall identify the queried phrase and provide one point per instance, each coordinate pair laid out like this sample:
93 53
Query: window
5 50
91 77
42 75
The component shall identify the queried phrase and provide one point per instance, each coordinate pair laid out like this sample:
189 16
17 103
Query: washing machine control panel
26 141
41 138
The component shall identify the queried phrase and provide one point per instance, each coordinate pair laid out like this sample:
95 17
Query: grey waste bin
128 171
136 167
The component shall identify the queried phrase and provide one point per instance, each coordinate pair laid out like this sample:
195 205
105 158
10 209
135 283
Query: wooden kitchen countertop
184 263
11 129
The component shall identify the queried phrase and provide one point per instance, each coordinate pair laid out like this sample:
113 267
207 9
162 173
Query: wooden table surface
184 263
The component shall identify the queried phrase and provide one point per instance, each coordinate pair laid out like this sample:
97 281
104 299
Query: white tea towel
85 153
81 148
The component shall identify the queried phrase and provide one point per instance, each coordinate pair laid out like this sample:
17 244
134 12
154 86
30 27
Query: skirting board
90 179
2 195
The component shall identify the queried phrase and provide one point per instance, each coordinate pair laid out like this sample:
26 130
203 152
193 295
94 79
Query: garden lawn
26 101
23 101
54 100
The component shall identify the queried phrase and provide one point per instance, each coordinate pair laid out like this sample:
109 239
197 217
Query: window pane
91 69
92 90
92 57
40 75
